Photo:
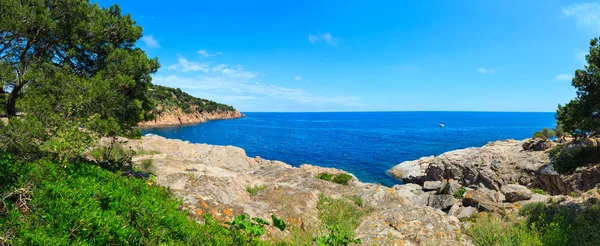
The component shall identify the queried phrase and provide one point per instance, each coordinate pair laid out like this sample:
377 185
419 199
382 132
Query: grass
146 165
254 189
539 191
357 200
141 152
339 213
538 224
83 204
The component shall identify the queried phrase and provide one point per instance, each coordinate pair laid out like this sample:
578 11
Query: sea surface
367 144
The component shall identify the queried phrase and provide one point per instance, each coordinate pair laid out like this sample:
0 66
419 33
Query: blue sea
366 144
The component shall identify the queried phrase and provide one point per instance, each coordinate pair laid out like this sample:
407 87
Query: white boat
442 125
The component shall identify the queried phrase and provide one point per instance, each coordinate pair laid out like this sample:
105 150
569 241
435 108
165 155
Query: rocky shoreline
439 195
178 117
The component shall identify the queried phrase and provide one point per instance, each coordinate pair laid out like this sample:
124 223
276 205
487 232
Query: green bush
539 191
491 230
342 178
566 160
254 189
324 176
459 194
544 133
340 215
83 204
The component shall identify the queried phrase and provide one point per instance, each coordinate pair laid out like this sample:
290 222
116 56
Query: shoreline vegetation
75 168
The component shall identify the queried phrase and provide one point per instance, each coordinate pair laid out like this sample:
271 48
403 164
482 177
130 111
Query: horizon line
401 111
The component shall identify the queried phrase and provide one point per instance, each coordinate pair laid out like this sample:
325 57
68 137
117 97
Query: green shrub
357 200
83 204
539 191
459 194
342 178
254 189
336 237
324 176
340 214
567 160
544 133
490 230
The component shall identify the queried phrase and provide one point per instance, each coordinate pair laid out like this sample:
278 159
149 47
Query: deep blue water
366 144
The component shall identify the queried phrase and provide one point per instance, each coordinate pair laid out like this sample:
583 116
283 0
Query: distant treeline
171 98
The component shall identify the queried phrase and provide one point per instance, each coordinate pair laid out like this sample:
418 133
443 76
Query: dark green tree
40 39
581 116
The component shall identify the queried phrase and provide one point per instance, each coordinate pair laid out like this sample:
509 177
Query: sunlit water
366 144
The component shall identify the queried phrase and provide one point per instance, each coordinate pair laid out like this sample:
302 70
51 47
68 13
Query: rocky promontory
179 117
525 162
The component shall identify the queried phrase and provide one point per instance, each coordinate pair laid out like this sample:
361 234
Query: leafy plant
341 215
539 191
324 176
544 133
336 237
460 193
254 189
342 178
566 160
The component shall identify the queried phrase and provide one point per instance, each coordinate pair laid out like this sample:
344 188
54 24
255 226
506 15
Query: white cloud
298 77
184 65
587 15
326 37
205 53
150 41
564 76
486 70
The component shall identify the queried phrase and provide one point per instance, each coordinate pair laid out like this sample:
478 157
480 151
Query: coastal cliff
173 107
179 117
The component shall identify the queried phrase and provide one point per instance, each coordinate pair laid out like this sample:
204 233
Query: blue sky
289 56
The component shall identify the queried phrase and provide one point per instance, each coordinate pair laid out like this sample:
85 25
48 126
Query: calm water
366 144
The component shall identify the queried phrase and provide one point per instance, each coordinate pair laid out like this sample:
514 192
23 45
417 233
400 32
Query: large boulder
486 200
516 192
441 201
432 185
411 226
490 166
449 187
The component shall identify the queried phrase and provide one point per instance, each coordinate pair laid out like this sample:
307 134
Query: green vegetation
324 176
357 200
46 204
171 99
342 178
341 217
539 191
540 225
254 189
579 117
544 133
566 160
460 193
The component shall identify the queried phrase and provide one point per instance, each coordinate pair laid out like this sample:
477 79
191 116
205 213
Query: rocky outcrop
213 180
515 192
491 166
178 117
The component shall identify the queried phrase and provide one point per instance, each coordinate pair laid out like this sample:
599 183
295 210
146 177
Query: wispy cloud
486 70
184 65
205 53
587 15
564 76
150 41
298 77
326 37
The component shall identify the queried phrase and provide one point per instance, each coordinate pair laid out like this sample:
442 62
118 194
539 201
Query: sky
309 56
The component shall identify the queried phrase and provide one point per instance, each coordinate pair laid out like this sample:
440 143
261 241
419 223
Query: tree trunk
11 104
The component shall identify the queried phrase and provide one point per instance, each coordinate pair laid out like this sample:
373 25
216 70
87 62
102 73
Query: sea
366 144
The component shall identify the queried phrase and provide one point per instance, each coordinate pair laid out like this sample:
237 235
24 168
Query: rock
516 192
486 200
441 201
411 226
449 187
527 145
177 116
492 166
542 145
454 210
466 212
432 185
